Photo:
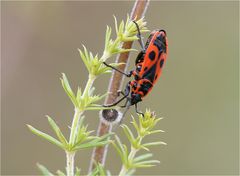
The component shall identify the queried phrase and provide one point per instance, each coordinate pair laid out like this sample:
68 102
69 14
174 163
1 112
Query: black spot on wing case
150 73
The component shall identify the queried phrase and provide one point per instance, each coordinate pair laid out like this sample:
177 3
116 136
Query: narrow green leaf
57 131
102 138
60 173
147 163
83 135
119 143
135 125
78 171
144 165
130 172
81 131
156 131
107 37
84 59
90 145
79 94
156 121
99 141
68 89
101 170
142 157
128 133
116 24
154 143
121 27
44 170
94 172
143 147
91 91
46 136
127 21
123 150
86 54
120 152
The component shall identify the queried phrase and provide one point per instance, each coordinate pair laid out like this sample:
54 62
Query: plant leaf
130 172
142 157
60 173
44 170
121 150
154 143
77 171
156 131
57 131
147 163
100 141
68 89
128 133
46 136
101 169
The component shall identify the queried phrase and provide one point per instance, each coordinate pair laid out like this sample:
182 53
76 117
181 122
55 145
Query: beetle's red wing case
155 57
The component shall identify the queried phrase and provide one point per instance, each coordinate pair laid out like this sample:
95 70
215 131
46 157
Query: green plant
143 127
80 137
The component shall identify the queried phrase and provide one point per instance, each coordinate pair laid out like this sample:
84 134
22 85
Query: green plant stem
78 112
70 163
91 79
75 126
131 156
123 171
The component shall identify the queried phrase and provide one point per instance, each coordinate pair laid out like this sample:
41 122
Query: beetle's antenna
139 36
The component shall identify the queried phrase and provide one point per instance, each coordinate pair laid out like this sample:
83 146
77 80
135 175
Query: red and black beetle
149 64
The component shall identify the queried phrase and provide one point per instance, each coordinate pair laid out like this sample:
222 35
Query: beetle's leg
127 90
114 104
125 104
140 40
119 92
136 109
126 74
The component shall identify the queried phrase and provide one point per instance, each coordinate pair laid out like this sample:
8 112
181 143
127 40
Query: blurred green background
197 93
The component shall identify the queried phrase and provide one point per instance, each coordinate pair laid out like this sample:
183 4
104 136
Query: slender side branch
99 153
78 112
132 154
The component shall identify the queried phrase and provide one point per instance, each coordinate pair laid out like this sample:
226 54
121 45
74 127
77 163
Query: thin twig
115 84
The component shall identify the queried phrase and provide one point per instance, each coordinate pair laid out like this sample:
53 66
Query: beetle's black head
135 98
163 31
